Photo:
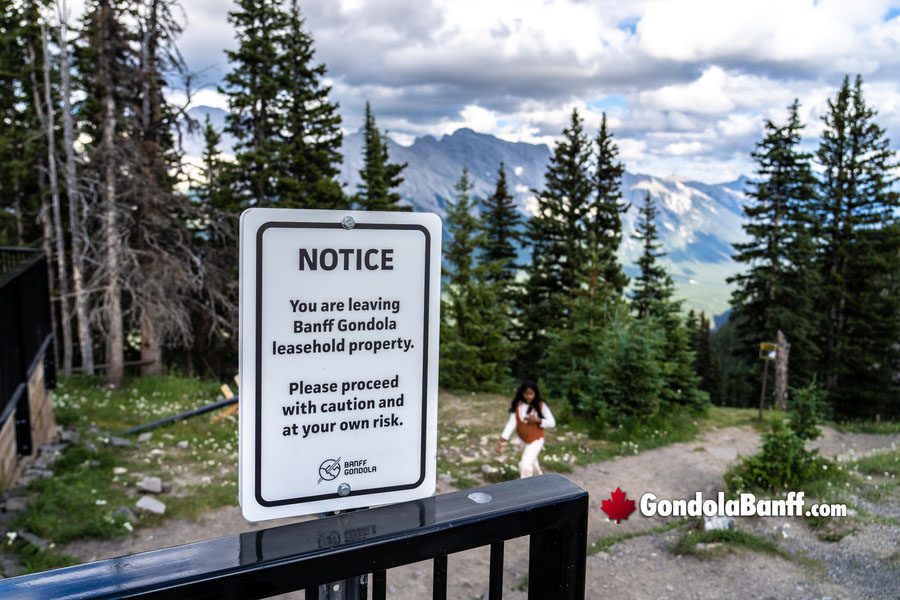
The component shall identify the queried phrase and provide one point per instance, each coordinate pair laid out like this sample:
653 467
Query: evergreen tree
654 299
379 177
858 258
706 362
309 154
611 374
252 88
605 220
559 252
22 147
216 311
653 284
557 232
501 223
474 351
287 133
777 290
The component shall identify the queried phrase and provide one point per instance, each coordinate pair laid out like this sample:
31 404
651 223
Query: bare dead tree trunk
151 346
76 200
782 353
17 206
151 340
45 216
115 342
51 279
65 317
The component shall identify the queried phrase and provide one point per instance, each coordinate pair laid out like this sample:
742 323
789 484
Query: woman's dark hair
535 404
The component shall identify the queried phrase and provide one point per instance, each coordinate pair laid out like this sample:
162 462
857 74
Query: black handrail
259 564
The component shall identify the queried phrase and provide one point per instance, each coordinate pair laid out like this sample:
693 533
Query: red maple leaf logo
617 507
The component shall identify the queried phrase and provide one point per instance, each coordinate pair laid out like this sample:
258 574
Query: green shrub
783 463
807 408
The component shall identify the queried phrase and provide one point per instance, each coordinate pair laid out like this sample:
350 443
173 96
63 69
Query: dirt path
860 565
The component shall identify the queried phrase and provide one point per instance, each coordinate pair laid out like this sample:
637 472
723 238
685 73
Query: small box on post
338 359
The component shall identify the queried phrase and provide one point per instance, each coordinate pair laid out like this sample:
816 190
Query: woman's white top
523 408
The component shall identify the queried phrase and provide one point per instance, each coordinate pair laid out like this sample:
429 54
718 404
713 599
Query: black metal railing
11 257
552 510
25 334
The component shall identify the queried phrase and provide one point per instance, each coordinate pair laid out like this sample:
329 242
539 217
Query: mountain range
697 222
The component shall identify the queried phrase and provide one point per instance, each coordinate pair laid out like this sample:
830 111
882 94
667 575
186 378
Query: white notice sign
338 359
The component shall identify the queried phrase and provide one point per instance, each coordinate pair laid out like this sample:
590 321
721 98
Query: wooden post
762 395
781 371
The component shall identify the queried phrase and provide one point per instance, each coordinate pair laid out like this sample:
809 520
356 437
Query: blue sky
687 84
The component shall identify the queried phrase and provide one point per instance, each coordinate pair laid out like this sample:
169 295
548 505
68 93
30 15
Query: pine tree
653 299
605 219
216 311
474 351
858 257
501 229
706 362
22 150
308 154
557 232
559 252
653 284
777 291
379 177
287 132
252 88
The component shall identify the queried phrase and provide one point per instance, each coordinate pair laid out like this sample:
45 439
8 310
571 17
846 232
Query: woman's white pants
529 466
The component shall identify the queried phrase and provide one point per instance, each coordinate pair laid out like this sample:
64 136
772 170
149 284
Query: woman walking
529 416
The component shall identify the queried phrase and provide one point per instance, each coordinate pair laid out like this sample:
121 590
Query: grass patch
830 530
882 427
606 542
723 416
79 500
35 560
726 539
886 464
521 585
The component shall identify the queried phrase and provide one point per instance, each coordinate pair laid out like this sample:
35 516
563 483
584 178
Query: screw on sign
617 507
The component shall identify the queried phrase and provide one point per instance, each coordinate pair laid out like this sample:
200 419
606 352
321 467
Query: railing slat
439 581
379 585
495 587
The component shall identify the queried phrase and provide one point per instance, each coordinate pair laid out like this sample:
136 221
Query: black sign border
258 425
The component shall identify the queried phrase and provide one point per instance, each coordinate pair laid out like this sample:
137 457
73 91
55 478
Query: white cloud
737 125
478 118
715 92
763 30
686 84
683 148
204 97
631 149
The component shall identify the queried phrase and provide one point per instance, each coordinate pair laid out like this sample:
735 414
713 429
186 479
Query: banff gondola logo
329 469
